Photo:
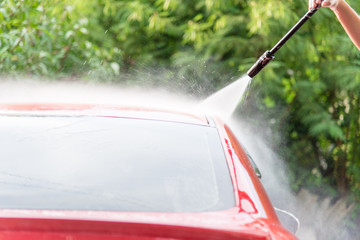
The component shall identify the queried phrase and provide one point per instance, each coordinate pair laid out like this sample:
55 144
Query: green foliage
161 29
45 37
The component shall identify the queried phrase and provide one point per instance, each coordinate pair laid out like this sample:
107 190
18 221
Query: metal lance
269 55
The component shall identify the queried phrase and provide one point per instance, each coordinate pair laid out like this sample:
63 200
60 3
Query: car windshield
111 164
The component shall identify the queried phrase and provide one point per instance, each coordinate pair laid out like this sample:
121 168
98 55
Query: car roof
114 111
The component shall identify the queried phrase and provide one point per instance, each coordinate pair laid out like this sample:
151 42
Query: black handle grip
260 64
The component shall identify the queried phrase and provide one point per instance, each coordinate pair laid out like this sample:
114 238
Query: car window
115 164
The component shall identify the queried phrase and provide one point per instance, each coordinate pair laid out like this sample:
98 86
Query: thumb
326 4
330 3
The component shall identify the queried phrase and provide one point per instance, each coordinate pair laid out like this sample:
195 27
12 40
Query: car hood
74 225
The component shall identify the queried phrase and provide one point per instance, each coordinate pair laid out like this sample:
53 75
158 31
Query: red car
107 172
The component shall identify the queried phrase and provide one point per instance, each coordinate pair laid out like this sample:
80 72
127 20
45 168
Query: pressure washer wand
269 55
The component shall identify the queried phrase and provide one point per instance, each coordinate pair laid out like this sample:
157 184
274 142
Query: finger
330 4
311 4
326 4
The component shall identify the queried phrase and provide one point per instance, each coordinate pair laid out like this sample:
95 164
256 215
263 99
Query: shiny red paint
242 157
253 216
119 225
103 111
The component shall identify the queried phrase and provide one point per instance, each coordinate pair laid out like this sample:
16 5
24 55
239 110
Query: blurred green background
310 92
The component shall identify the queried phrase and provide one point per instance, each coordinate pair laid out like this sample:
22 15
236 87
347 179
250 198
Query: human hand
332 4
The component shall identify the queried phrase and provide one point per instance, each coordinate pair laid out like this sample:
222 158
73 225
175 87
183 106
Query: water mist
319 219
224 102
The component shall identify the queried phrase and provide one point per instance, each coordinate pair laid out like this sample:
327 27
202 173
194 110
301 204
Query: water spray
269 55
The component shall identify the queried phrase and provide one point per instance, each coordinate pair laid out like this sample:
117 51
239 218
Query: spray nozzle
260 64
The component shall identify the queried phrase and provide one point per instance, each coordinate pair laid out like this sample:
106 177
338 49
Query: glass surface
118 164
